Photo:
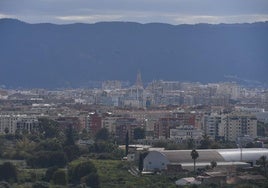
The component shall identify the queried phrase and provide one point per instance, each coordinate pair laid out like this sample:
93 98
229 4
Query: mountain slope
47 55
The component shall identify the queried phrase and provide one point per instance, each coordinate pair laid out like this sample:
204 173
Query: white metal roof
218 155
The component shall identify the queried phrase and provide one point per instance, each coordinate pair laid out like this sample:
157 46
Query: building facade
10 124
237 125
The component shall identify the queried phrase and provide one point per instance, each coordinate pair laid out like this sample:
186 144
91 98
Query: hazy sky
143 11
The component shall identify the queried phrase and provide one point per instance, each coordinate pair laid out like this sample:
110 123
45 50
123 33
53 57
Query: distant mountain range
48 55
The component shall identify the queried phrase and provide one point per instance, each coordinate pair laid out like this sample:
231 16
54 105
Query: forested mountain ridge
49 55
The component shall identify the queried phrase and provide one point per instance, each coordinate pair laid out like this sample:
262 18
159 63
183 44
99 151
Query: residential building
124 125
185 132
93 122
14 123
211 125
237 125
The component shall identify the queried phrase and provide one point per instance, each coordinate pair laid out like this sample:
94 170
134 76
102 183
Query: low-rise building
186 132
160 159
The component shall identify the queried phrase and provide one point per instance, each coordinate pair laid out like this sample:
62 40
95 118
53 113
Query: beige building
237 125
109 122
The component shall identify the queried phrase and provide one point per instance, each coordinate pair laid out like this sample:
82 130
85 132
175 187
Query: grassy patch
31 175
114 173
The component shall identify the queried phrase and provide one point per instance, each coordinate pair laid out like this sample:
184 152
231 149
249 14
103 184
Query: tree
59 177
127 143
213 164
194 155
49 173
250 145
48 128
82 169
49 145
140 163
69 136
6 130
263 163
4 184
24 148
102 134
91 180
141 158
8 172
205 143
40 184
139 133
44 159
261 129
72 152
102 147
190 143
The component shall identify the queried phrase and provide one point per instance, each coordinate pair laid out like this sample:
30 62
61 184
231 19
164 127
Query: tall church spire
139 81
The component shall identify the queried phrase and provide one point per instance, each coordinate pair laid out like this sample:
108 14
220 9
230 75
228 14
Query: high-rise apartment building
211 125
237 125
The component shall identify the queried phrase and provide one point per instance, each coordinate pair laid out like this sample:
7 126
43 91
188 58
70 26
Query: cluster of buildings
176 126
163 110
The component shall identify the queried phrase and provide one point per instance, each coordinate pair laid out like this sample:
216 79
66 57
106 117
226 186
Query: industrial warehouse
244 157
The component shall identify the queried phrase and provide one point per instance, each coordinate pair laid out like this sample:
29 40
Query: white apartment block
186 132
237 125
17 123
109 123
231 89
211 125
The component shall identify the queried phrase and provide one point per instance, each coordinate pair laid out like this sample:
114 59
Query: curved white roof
247 154
218 155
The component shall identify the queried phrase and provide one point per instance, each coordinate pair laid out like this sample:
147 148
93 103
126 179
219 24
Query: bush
82 169
8 172
40 184
50 172
44 159
72 152
4 184
91 180
49 145
59 177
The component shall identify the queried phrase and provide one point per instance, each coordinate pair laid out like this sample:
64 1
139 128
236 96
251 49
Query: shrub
8 172
59 177
49 173
44 159
4 184
91 180
40 184
82 169
72 152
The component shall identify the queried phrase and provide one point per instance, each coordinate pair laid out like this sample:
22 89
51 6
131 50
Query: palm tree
263 163
213 164
127 143
205 143
24 147
194 155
